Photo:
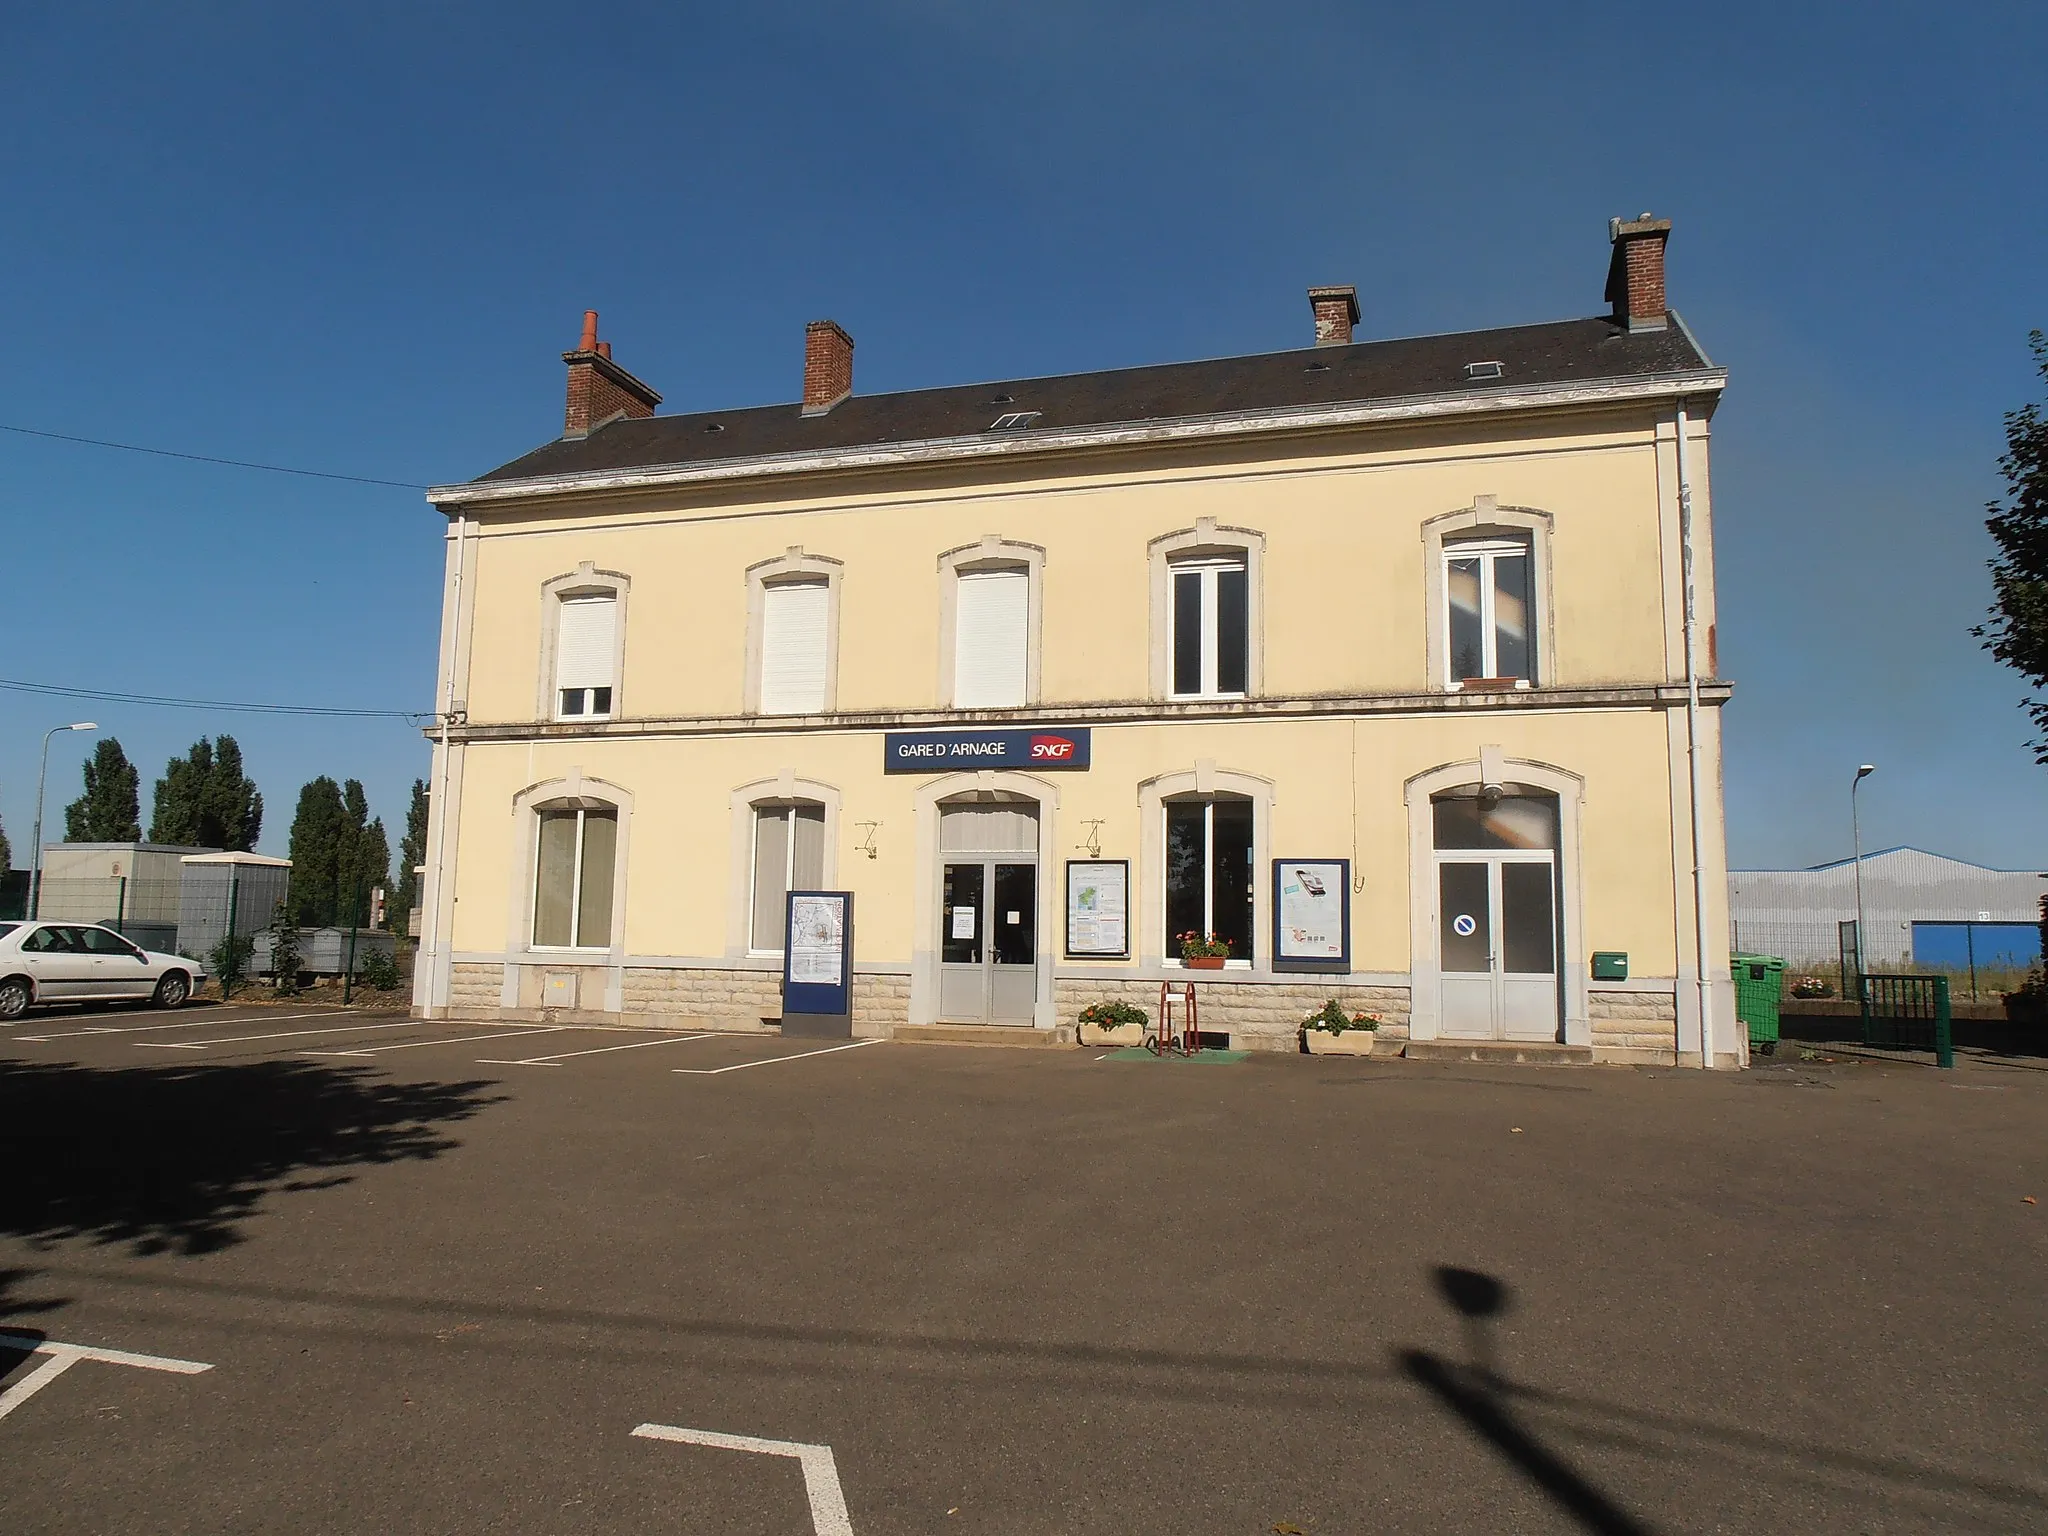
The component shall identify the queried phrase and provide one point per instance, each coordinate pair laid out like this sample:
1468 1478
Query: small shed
227 892
123 885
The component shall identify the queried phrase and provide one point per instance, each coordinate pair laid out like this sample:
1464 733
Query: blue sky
359 242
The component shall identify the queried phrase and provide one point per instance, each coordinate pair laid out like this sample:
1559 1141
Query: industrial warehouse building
1370 658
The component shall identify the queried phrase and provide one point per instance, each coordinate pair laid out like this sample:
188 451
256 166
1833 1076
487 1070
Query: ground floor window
572 901
789 855
1209 883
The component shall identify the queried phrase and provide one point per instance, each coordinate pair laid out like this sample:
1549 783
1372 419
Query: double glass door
988 941
1497 948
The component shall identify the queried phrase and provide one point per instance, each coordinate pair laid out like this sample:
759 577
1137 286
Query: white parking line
407 1045
557 1060
139 1029
769 1061
287 1034
63 1356
821 1472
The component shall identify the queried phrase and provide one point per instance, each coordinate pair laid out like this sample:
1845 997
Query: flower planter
1112 1034
1205 963
1352 1042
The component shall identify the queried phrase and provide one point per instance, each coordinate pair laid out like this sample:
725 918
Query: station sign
1049 747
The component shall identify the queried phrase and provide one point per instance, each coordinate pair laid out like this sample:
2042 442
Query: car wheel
14 998
172 991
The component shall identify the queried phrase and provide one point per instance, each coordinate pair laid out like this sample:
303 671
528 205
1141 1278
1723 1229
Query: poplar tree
2018 632
412 853
205 800
108 811
339 853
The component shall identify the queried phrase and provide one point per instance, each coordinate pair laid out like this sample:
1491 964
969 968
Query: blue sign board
950 751
817 963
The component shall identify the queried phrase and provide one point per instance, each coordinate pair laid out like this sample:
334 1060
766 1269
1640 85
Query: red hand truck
1164 1039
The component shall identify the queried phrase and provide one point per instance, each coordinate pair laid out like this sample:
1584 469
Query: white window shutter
584 642
991 639
794 619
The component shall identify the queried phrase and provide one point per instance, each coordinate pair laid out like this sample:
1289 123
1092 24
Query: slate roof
1562 352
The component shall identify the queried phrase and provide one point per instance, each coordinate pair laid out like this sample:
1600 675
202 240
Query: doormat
1139 1053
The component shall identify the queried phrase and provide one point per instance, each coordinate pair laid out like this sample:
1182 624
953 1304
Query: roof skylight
1014 421
1486 370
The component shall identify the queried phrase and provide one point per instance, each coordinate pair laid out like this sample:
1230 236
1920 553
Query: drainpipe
440 806
1692 749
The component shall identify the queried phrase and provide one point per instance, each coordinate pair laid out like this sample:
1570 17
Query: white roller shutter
794 620
585 642
991 635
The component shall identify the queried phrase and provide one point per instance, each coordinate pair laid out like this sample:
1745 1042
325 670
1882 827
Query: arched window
788 855
1489 597
1206 640
1209 883
583 631
575 863
793 634
988 624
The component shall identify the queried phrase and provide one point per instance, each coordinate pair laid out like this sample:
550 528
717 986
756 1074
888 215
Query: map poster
1098 908
817 940
1311 913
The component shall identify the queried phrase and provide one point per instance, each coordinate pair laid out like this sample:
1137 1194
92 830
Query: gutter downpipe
1692 749
440 807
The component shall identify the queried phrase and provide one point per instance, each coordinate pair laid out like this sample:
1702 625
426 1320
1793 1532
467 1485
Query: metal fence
1981 961
1909 1014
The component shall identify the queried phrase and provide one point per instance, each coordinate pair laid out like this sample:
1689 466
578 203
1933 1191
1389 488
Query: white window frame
1486 551
787 788
795 565
1207 540
582 813
991 551
1487 522
1207 568
788 859
1169 948
585 581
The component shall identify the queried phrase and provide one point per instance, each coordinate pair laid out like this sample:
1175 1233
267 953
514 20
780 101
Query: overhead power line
204 458
414 716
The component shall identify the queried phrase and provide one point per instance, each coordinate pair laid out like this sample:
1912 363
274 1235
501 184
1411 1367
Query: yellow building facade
1371 660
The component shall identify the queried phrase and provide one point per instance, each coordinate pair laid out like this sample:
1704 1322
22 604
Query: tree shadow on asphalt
175 1160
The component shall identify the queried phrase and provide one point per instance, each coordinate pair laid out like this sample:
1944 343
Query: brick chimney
1336 312
599 388
828 366
1635 273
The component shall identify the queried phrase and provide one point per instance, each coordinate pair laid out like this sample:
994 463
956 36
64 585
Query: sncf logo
1051 749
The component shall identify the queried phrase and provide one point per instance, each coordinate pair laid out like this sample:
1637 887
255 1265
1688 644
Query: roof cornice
1285 419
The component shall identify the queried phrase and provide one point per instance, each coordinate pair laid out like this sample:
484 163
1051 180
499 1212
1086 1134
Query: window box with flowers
1203 952
1333 1031
1112 1024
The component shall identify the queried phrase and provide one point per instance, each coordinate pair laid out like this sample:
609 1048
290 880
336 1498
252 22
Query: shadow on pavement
1476 1393
172 1160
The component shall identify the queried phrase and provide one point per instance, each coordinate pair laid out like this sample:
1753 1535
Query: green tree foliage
108 811
205 800
2018 632
338 853
412 853
6 852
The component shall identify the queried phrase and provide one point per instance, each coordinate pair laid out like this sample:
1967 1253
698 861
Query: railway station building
1370 658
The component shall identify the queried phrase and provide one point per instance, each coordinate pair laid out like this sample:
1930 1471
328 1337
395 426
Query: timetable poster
1098 908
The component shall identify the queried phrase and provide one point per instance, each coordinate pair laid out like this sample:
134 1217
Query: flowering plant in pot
1332 1030
1203 951
1112 1024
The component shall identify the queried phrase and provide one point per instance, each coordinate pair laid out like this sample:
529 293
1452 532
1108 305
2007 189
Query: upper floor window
1211 628
586 655
1488 611
789 855
795 646
992 637
572 887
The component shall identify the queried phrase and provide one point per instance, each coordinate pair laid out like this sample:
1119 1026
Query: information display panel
1098 909
817 964
1311 914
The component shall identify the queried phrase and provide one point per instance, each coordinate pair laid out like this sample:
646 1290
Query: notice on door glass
817 940
1098 902
1311 909
963 922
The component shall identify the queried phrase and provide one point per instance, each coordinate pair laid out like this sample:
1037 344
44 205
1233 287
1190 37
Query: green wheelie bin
1759 982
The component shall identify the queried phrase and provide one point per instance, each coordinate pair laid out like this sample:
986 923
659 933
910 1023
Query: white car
42 962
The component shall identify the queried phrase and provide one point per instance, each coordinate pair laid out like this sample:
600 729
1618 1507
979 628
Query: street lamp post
1856 833
35 879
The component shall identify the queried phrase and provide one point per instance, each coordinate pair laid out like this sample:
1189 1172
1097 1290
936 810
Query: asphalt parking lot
439 1275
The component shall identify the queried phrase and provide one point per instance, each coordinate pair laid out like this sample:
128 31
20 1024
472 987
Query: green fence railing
1909 1013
